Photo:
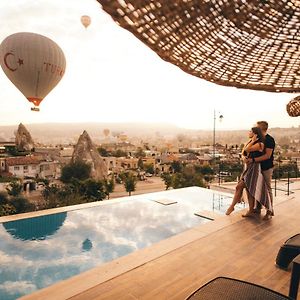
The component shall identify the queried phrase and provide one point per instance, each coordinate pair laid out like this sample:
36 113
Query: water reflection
38 228
87 245
82 239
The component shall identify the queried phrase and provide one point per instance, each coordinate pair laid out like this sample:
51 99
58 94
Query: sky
113 77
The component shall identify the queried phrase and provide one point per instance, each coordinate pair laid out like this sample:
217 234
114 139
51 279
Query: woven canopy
252 44
293 107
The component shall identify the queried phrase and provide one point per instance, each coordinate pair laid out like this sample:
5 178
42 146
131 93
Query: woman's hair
258 132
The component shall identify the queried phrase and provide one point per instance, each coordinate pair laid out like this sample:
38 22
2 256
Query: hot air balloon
106 132
86 21
33 63
123 137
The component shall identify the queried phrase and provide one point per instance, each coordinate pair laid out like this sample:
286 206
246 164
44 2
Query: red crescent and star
19 62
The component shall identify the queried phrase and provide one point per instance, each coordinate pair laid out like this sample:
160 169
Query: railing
288 185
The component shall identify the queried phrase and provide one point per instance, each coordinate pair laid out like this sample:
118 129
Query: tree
79 170
149 168
67 196
119 153
7 209
21 204
130 183
140 164
204 170
167 178
50 194
93 190
3 198
12 202
178 181
176 166
44 180
188 177
109 186
14 188
140 153
103 152
283 170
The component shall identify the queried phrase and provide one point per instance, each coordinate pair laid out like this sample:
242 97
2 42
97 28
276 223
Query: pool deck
173 268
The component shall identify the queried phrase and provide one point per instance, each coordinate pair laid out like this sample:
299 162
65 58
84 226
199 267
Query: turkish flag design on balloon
86 21
34 64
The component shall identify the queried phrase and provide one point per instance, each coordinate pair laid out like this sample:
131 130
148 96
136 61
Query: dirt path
152 184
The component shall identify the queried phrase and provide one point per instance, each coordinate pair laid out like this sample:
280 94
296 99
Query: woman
252 178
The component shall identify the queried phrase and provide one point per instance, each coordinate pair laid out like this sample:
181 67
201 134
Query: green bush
78 170
7 209
21 204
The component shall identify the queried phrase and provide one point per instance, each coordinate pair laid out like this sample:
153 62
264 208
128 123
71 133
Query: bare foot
249 214
229 210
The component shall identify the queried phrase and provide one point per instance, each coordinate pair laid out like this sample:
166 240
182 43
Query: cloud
17 287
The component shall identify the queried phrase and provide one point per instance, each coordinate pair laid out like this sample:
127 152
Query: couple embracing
258 156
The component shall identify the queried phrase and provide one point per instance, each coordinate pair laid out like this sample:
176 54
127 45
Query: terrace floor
245 250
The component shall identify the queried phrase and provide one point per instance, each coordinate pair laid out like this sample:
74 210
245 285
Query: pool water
37 252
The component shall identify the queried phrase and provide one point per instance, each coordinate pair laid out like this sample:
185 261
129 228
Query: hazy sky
113 77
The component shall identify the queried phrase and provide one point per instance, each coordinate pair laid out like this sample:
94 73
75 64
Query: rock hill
86 151
24 141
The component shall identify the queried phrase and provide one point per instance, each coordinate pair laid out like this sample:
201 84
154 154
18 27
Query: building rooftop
22 160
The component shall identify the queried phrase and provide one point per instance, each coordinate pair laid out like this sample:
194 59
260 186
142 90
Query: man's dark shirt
268 163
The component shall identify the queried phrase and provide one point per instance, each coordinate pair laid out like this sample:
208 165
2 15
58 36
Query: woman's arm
251 147
244 148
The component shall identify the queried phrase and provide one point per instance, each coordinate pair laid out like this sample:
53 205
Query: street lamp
220 117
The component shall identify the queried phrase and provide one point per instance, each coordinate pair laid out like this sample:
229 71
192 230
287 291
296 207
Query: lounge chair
295 278
224 288
288 251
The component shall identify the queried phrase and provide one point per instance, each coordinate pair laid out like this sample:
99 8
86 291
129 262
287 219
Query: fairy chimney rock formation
86 151
24 141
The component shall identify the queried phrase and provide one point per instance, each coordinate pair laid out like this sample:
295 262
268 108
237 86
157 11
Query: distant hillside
62 132
56 133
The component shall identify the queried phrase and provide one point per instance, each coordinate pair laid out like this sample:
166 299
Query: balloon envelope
33 63
106 132
123 137
86 21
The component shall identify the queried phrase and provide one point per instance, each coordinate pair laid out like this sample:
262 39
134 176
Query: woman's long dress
255 182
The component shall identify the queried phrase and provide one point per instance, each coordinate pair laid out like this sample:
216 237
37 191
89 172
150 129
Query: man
266 163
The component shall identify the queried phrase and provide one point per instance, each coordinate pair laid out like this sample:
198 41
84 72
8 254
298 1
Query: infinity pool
37 252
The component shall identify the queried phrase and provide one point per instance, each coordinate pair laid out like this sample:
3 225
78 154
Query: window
33 167
16 168
25 167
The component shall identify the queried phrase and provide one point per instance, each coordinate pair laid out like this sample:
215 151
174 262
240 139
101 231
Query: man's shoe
267 216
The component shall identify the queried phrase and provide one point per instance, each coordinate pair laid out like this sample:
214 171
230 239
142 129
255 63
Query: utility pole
214 132
214 137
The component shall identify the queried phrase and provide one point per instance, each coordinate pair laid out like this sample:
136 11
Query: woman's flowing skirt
256 185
